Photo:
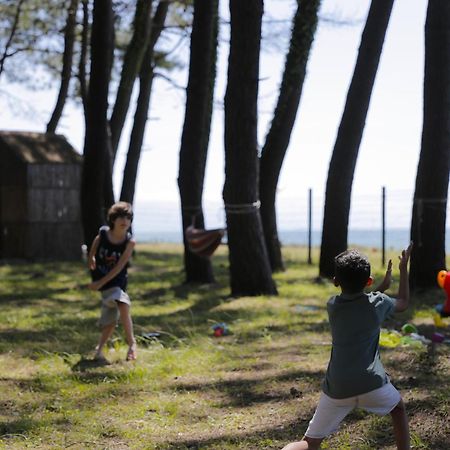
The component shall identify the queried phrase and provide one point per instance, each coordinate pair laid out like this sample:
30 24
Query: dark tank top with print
106 257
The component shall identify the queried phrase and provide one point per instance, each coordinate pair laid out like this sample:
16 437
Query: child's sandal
132 354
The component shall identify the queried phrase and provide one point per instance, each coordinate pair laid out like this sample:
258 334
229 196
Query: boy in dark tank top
108 260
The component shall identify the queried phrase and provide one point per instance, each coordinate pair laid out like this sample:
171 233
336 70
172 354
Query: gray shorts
110 311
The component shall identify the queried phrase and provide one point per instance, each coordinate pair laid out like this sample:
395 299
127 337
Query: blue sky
391 142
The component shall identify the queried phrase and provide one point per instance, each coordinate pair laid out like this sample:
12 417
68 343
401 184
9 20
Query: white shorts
112 295
110 312
330 412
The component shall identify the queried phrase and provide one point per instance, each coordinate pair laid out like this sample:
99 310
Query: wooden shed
40 176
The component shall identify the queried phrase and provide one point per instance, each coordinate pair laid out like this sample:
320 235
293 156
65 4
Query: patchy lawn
253 389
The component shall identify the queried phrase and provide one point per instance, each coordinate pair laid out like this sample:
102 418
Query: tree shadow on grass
178 291
17 428
50 336
33 296
244 392
265 438
69 336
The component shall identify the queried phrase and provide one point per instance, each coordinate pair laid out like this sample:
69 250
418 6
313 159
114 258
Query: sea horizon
395 238
160 221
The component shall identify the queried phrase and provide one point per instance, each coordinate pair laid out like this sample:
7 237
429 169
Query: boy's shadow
89 363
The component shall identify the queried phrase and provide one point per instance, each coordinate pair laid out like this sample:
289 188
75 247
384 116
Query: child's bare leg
401 427
107 331
306 443
127 323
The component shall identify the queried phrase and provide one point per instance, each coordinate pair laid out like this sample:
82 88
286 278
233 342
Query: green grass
254 389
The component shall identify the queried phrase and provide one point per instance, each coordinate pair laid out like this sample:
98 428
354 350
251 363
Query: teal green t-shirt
355 366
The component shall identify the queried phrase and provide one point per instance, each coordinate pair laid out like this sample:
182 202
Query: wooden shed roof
39 148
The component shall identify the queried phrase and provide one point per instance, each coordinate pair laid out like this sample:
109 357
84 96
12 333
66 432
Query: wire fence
381 219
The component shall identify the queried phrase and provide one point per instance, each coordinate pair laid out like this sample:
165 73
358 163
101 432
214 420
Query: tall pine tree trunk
130 69
430 197
277 140
345 153
97 140
66 72
142 106
196 130
250 272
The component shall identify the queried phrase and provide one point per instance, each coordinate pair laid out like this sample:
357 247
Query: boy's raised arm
387 280
403 288
92 251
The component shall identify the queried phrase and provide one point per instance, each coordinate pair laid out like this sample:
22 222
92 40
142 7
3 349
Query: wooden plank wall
40 219
42 241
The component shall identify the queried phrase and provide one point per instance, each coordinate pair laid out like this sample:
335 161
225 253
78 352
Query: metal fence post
309 225
383 226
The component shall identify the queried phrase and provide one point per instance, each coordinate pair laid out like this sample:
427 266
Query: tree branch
11 36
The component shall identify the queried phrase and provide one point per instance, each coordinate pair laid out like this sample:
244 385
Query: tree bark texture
196 130
250 272
97 140
130 69
66 72
345 152
142 106
278 137
430 196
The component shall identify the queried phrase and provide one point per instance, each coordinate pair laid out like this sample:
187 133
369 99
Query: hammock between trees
203 242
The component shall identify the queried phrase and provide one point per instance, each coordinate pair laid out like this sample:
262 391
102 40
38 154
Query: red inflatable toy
443 280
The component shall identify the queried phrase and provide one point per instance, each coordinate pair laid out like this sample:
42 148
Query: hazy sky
391 142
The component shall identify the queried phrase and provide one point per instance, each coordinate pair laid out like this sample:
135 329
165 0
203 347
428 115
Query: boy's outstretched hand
94 286
403 287
404 258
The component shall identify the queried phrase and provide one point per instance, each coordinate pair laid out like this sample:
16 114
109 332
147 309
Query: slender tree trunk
83 55
97 139
142 107
277 140
196 129
430 197
250 272
130 69
66 73
345 153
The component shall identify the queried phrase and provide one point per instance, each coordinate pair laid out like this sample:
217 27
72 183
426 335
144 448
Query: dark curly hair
351 270
119 209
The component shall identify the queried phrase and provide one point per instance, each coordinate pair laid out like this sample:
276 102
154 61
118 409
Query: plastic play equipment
443 280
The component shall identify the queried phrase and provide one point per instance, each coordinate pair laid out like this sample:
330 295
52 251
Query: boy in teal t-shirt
355 376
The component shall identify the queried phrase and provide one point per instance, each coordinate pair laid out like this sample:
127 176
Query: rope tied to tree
242 208
430 200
